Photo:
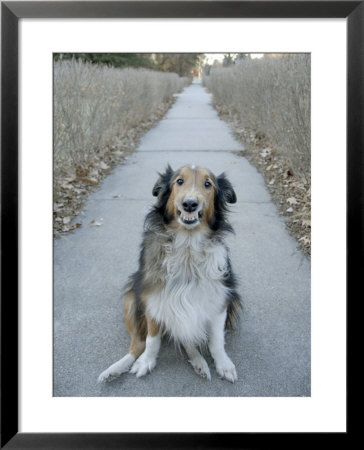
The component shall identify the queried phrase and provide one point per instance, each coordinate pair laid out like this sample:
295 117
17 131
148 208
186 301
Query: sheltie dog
184 286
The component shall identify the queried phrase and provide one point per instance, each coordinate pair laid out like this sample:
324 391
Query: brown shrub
271 97
95 106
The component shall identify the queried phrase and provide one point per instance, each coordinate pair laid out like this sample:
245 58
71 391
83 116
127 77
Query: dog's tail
234 309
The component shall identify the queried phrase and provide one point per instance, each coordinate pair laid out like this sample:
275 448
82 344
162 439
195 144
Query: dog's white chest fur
194 293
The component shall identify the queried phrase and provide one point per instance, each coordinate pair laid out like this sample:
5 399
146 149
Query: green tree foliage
180 63
228 60
242 57
110 59
231 59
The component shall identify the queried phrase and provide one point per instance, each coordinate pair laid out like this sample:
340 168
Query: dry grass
94 106
267 103
271 97
99 115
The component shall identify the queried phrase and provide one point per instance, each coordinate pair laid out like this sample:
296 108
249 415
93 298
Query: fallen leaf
89 180
81 171
104 166
287 173
69 179
265 152
292 201
71 227
57 206
67 186
305 239
95 223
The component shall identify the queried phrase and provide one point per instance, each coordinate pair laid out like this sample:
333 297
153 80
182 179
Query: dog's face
193 196
191 200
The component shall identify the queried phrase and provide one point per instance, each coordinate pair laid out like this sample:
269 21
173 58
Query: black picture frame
11 12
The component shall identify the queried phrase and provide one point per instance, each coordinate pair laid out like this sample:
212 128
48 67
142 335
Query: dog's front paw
116 369
226 369
143 365
200 366
105 376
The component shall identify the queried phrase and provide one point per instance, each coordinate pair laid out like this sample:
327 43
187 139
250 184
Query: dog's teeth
189 219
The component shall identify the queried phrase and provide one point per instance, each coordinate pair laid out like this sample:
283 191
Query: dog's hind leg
224 366
197 361
137 330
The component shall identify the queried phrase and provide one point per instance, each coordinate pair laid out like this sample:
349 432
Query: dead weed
71 189
290 191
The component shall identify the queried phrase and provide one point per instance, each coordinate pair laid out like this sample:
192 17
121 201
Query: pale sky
210 57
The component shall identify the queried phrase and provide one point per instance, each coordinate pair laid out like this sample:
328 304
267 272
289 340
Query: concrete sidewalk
271 349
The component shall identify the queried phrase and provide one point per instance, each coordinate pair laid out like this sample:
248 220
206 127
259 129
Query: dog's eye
207 184
180 181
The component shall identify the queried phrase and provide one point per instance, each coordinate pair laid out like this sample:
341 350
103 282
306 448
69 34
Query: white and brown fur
184 286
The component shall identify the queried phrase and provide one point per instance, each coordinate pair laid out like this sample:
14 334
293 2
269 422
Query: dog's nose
190 204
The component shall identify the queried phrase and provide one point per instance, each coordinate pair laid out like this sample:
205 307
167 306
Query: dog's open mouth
189 218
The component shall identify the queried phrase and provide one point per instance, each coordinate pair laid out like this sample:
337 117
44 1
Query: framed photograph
61 318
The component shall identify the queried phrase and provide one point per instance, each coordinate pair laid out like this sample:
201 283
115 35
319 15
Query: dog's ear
226 189
157 187
163 181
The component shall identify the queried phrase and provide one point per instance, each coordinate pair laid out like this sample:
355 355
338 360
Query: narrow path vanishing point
271 350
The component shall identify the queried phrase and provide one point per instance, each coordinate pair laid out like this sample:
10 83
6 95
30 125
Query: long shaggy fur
184 282
156 238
